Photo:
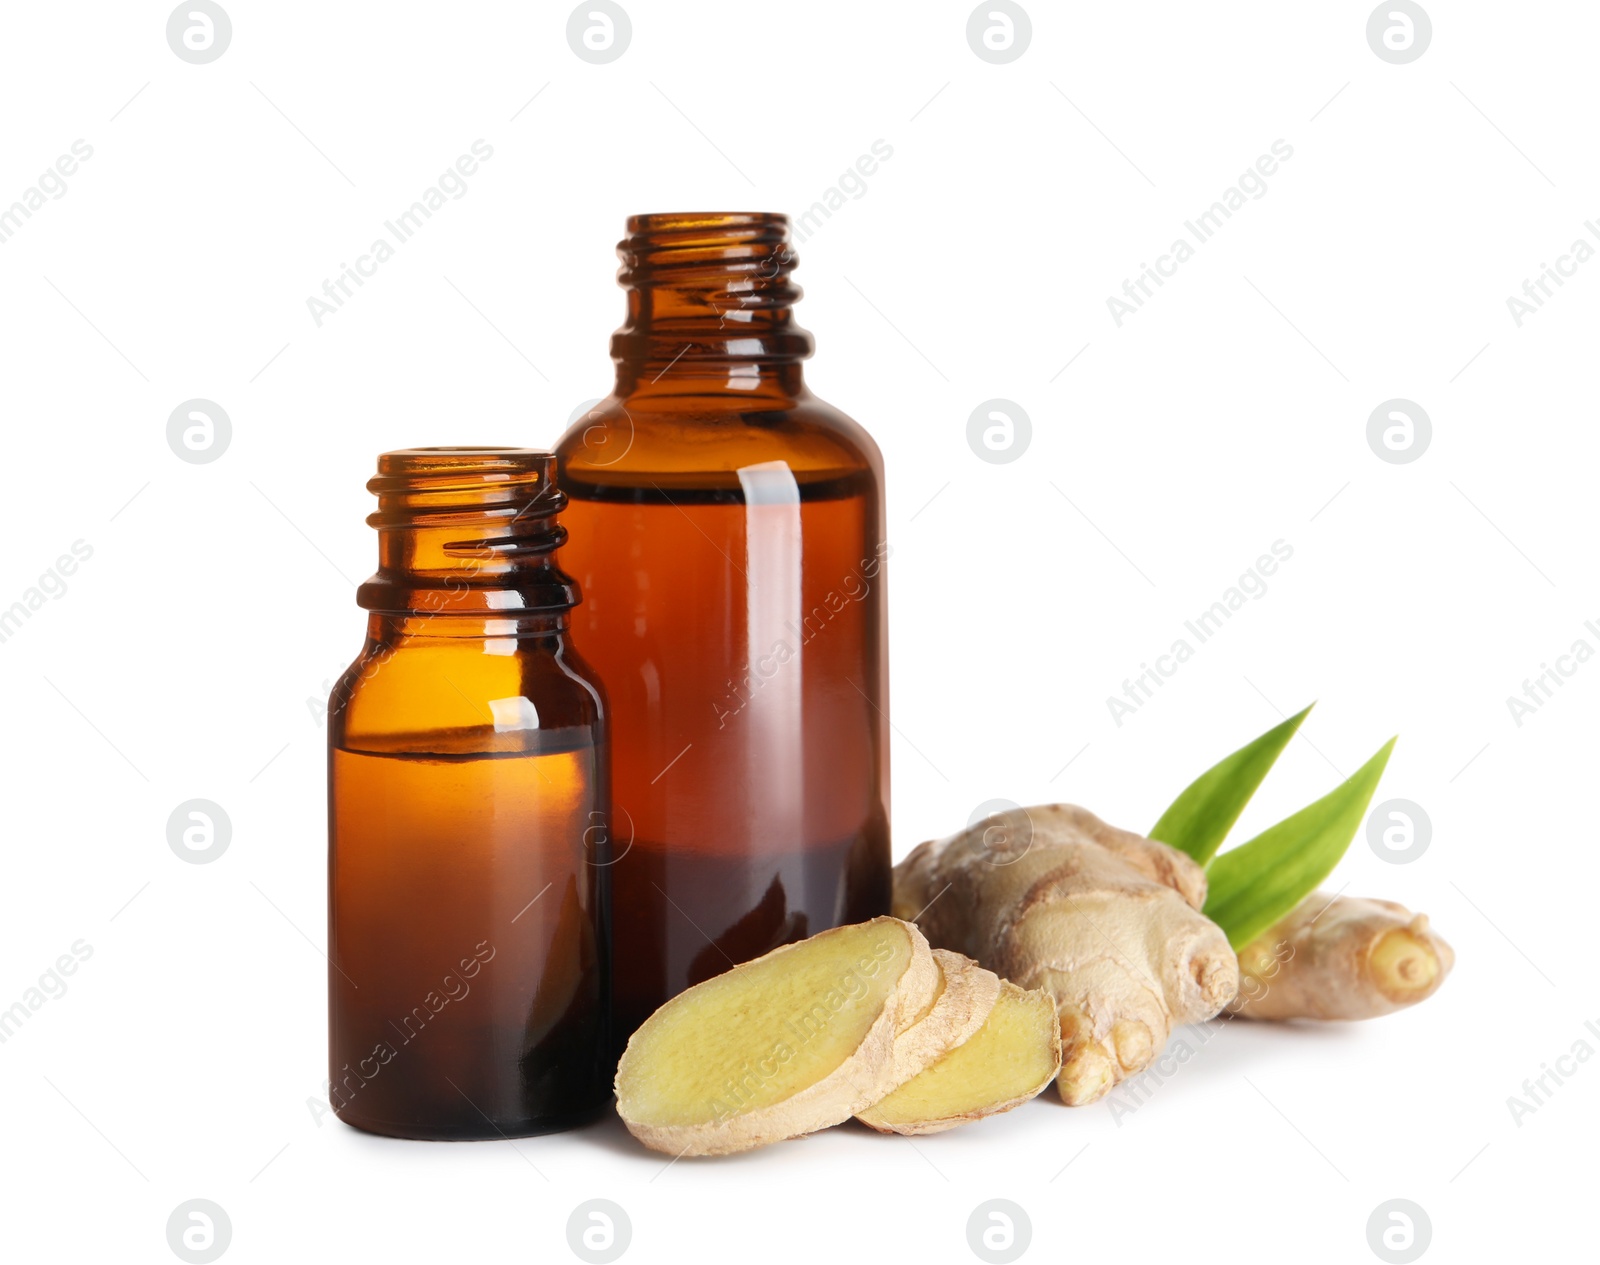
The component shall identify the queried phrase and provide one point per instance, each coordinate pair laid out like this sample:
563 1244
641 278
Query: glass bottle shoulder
687 441
465 694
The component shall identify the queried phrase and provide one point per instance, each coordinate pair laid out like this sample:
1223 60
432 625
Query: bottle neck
465 537
710 307
394 629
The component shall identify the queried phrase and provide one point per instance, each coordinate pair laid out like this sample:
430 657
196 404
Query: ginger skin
1341 957
1109 921
966 994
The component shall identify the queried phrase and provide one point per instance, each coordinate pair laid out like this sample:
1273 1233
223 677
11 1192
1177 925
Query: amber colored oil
502 1027
468 860
727 530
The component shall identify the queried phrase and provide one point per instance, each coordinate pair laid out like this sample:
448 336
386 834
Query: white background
185 658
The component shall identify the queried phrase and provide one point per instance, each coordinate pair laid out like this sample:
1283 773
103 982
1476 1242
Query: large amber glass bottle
727 529
468 860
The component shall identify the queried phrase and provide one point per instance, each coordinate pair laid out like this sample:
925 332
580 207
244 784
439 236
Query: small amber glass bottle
728 533
468 858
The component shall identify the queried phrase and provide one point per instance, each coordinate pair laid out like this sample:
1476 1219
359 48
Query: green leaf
1257 883
1200 818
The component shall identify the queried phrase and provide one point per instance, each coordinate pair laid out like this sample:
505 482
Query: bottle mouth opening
466 459
695 247
706 221
419 487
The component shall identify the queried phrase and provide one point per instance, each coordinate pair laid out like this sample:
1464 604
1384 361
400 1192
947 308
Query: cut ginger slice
794 1041
1014 1055
966 994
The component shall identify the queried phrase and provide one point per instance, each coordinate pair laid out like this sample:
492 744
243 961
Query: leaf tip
1292 725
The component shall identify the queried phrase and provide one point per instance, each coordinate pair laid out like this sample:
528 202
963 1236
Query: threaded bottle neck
705 291
467 531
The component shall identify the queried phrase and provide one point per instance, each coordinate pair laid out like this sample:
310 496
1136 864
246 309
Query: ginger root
799 1039
1106 920
1341 957
1008 1060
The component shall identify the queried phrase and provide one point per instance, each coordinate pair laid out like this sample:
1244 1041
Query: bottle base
475 1130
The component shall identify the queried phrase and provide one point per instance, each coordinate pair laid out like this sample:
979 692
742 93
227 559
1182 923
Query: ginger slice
1010 1059
1341 957
965 996
799 1039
